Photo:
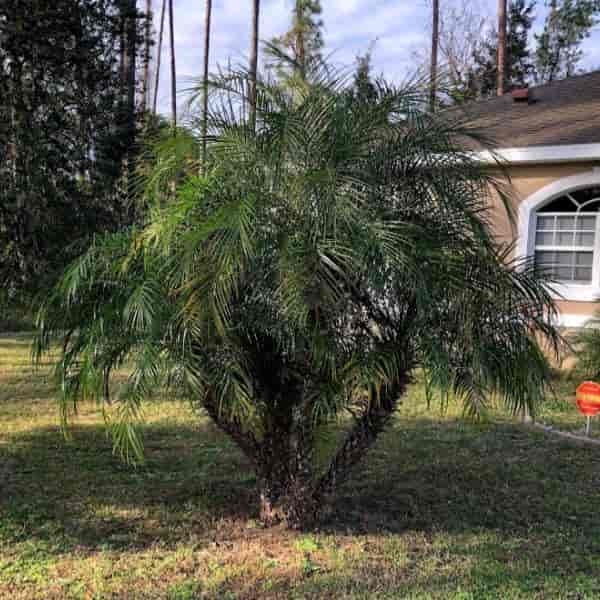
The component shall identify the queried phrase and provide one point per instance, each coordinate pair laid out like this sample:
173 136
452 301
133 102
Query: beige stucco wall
525 181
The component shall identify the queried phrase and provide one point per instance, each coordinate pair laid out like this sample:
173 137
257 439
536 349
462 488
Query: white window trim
527 223
568 153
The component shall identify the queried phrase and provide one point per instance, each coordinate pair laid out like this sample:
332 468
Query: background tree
147 56
435 42
254 60
501 53
519 68
173 68
205 78
297 52
65 130
158 57
334 250
462 30
558 52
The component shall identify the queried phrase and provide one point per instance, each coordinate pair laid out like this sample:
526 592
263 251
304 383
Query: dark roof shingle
562 112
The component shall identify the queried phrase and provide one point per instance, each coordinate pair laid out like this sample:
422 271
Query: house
549 139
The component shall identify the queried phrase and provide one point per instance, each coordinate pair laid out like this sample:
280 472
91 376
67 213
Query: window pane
583 274
563 273
584 259
565 223
545 223
543 257
585 239
562 204
565 258
586 223
565 239
545 238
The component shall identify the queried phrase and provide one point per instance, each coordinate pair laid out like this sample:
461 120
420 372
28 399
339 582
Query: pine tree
294 54
518 67
558 51
67 124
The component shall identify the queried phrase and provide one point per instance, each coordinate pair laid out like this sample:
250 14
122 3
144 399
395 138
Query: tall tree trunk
501 65
158 56
435 40
300 46
147 40
173 70
128 71
207 24
254 62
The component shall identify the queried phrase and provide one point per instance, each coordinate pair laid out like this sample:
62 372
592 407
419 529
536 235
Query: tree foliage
519 66
65 128
558 51
298 52
328 253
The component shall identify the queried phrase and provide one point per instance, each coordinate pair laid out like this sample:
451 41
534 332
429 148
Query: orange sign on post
588 401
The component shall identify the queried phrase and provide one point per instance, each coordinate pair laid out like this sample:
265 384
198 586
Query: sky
399 27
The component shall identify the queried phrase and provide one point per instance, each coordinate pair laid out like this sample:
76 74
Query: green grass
441 509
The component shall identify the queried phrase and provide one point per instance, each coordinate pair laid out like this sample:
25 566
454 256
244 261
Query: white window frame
528 210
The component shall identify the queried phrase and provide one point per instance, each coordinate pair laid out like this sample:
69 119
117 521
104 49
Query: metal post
587 426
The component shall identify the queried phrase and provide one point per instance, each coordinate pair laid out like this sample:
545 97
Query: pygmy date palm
332 249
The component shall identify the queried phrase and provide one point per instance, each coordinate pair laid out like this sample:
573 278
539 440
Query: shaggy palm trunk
289 489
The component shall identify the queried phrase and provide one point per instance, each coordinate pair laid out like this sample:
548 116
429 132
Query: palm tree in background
173 69
435 40
254 61
207 23
158 56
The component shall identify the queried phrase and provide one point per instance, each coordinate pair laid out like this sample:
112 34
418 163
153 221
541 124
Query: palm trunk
288 490
173 70
158 56
254 63
207 24
501 46
435 40
146 76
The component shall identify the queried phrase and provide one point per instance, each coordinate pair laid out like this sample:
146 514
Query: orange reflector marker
588 398
588 401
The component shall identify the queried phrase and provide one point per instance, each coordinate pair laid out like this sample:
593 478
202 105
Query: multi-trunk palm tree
334 251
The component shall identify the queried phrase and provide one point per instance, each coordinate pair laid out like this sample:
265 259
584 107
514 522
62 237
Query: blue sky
399 26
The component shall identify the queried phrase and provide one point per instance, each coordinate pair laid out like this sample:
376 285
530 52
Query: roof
563 112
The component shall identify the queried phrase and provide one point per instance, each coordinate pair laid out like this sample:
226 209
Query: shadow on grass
423 476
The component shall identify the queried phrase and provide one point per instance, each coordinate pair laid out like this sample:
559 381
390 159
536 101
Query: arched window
567 240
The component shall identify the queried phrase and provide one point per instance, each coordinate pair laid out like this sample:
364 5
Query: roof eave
567 153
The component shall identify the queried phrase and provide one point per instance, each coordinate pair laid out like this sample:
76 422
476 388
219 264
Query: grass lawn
442 509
